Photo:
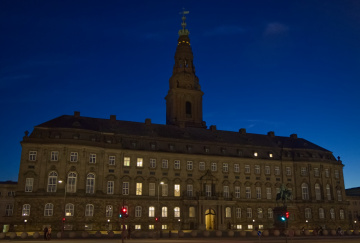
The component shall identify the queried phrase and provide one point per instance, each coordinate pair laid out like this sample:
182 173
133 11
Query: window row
319 192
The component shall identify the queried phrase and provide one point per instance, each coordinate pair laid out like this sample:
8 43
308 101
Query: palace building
182 175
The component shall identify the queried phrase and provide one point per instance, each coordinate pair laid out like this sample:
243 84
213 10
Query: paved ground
350 239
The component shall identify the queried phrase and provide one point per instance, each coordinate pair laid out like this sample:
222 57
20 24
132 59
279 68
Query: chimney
242 131
77 114
147 121
112 117
271 134
293 136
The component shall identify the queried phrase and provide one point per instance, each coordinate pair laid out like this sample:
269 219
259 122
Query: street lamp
25 221
307 224
159 209
253 224
63 220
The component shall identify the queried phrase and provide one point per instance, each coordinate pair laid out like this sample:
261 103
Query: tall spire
184 98
183 31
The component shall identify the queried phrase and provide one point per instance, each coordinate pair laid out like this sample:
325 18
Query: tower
184 98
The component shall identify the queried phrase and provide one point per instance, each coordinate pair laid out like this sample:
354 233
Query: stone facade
176 176
7 194
353 197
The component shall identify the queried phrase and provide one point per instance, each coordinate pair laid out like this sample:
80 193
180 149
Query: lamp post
108 225
355 224
63 219
25 221
253 224
307 224
159 209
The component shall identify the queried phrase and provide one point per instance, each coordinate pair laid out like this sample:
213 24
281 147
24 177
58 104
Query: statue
284 195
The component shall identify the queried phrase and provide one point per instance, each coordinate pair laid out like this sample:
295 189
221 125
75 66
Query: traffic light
287 215
123 213
283 218
63 220
156 219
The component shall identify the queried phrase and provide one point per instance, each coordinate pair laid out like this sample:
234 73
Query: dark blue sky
283 66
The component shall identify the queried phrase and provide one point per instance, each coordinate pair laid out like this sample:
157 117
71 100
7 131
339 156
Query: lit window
139 162
32 155
177 190
151 227
138 189
164 212
137 226
73 156
152 163
69 209
26 210
177 212
164 227
126 161
111 160
54 156
238 226
92 158
228 212
151 211
250 226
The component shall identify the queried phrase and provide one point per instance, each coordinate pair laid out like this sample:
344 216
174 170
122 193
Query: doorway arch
210 219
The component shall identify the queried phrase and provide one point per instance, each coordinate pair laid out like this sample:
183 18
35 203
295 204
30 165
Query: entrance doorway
210 219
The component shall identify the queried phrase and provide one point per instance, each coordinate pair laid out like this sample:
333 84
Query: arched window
48 210
308 213
164 212
339 195
332 213
227 212
71 182
26 210
151 211
270 213
69 209
191 212
177 212
89 210
260 213
109 210
328 192
90 183
305 191
188 109
138 210
321 213
52 181
317 192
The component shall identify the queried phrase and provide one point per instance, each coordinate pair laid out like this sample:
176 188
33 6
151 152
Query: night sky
283 66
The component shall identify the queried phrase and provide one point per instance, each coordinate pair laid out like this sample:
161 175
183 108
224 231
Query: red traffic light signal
124 210
287 215
156 219
63 219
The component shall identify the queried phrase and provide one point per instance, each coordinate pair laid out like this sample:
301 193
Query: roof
149 129
353 191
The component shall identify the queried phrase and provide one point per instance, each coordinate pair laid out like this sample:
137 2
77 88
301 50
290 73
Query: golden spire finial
183 31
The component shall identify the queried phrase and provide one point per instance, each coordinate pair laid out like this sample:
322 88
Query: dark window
188 108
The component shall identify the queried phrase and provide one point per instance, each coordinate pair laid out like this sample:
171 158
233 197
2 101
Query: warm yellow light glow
270 155
255 154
